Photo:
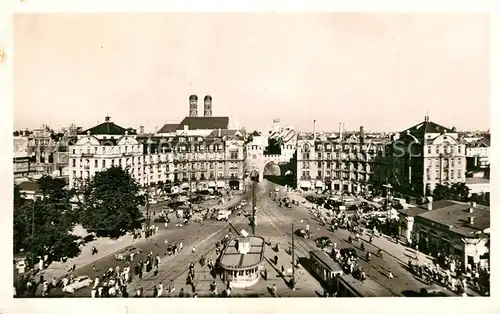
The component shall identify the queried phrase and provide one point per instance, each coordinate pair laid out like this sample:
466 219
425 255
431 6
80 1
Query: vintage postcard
250 155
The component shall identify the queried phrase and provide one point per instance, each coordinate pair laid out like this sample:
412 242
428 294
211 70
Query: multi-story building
477 151
421 157
102 147
337 162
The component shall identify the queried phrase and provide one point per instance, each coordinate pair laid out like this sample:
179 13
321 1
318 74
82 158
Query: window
437 174
430 162
319 155
437 149
429 174
428 149
453 162
104 163
96 163
234 154
459 149
74 162
459 174
459 161
74 151
319 173
451 174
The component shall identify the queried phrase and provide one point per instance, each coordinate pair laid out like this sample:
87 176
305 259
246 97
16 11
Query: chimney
429 204
141 129
207 112
471 220
361 134
314 129
107 118
193 106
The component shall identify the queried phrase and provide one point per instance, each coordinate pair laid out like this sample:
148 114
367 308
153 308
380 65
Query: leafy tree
110 203
43 226
456 192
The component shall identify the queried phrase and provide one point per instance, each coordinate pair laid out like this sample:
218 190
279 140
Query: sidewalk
403 253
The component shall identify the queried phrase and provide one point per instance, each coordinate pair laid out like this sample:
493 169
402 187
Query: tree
110 204
43 226
455 192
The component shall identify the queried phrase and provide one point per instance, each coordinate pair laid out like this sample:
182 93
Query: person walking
389 274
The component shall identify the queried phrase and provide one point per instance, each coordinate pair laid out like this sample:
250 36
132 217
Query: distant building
198 153
101 147
477 151
421 157
478 185
341 163
451 228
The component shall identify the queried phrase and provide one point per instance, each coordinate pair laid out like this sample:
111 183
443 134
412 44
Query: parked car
323 242
276 189
244 203
303 233
78 283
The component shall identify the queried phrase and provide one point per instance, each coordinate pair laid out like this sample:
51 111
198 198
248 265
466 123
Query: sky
381 71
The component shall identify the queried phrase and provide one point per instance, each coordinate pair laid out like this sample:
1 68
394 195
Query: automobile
303 233
348 251
364 204
353 207
377 199
323 242
121 255
244 203
78 283
276 189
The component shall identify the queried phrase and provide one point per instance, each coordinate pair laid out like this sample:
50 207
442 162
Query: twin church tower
193 106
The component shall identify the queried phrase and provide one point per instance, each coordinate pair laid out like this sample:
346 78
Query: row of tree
108 205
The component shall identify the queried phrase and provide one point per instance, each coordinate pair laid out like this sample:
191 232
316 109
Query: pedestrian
389 274
93 267
193 251
160 290
265 274
155 291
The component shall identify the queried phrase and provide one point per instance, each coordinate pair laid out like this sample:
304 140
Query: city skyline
77 68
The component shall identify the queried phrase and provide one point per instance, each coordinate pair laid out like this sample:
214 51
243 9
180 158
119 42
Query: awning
221 184
319 183
305 184
211 184
185 185
288 173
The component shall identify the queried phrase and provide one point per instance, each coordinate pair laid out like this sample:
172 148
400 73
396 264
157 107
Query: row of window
330 156
336 175
130 162
448 149
445 175
367 147
338 166
161 175
446 162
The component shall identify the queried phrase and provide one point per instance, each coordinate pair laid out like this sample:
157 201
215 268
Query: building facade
477 151
454 229
340 163
420 158
102 147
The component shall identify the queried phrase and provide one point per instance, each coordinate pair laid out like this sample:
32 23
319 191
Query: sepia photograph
251 155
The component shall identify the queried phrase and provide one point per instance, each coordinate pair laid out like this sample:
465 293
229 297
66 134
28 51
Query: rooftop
427 127
455 216
168 128
232 259
108 128
474 180
412 211
204 123
29 186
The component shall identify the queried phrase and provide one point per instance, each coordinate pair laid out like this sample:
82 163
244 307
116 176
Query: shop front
234 184
305 185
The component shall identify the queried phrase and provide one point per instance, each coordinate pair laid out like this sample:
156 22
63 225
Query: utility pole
254 205
341 163
293 259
